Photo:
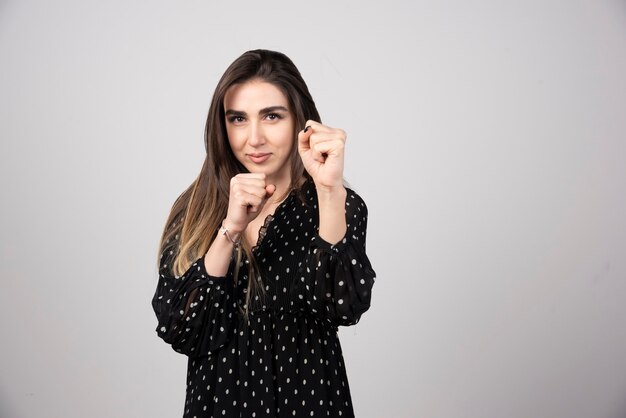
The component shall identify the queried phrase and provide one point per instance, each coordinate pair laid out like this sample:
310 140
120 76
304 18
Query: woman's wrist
332 197
230 233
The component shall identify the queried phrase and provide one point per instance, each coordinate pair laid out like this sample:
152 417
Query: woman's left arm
336 279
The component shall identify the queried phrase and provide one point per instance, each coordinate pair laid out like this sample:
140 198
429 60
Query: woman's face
260 129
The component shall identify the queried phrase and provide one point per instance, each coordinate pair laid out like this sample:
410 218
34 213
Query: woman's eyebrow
271 109
263 111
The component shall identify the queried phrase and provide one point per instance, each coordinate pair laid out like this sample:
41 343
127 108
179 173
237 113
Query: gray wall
488 139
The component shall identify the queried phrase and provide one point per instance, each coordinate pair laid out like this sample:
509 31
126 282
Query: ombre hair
198 212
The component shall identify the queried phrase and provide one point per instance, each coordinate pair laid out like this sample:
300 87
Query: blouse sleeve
195 311
336 280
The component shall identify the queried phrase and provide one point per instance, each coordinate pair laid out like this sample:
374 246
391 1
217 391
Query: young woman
263 256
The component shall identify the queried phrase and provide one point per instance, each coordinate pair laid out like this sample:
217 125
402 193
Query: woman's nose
256 136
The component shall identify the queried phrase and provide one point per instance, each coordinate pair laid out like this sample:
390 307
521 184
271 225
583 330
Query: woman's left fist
321 149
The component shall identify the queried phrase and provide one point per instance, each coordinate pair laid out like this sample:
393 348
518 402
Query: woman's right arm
196 312
217 259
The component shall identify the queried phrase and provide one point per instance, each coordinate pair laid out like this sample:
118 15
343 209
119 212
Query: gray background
488 139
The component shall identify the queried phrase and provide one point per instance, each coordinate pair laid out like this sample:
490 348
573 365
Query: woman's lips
259 158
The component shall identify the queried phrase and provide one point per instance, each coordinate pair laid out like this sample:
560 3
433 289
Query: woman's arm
332 205
336 280
217 259
195 311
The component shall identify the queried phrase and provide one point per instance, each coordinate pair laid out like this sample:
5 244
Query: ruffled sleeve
336 280
196 312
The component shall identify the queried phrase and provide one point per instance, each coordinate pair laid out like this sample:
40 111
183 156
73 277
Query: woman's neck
282 189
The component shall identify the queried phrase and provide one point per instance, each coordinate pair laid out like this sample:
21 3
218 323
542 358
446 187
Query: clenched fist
248 194
322 151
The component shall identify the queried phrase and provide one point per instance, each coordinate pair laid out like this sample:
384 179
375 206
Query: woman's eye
273 116
235 119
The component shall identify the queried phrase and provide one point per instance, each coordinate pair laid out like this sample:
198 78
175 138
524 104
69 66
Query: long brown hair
198 212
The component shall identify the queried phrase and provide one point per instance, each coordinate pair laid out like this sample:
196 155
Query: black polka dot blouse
285 360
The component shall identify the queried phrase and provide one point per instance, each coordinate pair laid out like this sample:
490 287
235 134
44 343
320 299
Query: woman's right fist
248 194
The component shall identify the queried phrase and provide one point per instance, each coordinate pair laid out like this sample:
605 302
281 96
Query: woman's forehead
253 95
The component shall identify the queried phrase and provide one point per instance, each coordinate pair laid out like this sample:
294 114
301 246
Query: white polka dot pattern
285 360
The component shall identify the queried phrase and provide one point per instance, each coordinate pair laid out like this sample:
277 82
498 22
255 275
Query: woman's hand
248 194
321 149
